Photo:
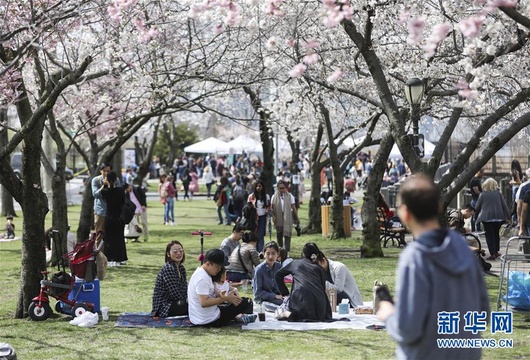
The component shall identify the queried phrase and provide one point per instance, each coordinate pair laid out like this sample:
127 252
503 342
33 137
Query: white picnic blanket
357 322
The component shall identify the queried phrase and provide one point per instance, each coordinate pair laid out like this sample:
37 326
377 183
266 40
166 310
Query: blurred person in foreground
437 273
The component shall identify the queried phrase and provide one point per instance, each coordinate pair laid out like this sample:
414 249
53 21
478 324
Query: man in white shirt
202 301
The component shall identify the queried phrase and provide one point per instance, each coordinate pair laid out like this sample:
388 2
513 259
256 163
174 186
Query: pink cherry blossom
415 28
114 13
232 18
218 29
272 7
271 43
298 70
439 32
311 44
404 16
336 75
503 3
471 26
336 13
310 58
464 89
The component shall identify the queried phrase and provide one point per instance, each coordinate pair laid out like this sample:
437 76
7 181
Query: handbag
241 261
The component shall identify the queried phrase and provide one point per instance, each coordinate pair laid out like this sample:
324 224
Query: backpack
238 193
250 215
163 191
84 253
217 193
128 210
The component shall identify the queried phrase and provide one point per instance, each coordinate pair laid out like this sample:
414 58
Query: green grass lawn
129 289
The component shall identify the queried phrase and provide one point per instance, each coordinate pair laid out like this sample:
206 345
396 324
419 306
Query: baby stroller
82 264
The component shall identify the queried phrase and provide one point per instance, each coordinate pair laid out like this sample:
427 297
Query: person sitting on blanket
308 300
243 259
222 285
171 287
203 305
230 243
338 277
264 285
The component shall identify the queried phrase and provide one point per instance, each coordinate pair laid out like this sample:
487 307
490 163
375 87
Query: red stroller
82 265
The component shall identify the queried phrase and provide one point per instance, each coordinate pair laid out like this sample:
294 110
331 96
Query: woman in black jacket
308 300
114 249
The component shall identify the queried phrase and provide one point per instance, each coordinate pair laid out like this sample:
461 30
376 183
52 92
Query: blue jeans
236 276
514 191
474 225
262 226
229 217
169 209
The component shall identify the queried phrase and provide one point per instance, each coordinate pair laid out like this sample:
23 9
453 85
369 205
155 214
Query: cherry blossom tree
466 53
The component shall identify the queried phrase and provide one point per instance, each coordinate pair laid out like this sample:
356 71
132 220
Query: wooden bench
389 233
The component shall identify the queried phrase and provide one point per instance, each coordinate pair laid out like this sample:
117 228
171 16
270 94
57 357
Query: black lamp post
414 93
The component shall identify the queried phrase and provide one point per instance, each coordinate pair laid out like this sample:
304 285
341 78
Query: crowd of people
210 297
489 210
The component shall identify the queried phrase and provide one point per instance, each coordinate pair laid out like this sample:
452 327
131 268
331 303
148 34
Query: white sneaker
171 223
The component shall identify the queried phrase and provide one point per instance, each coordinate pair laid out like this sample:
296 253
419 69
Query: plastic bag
518 290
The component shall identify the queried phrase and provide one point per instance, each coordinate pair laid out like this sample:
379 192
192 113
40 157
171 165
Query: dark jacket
308 300
436 273
139 192
491 206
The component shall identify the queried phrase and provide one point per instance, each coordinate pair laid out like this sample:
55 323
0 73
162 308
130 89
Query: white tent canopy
394 153
243 143
208 146
429 148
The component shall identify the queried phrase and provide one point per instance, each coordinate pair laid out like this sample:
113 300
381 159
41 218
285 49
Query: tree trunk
337 206
315 210
8 206
337 219
371 246
145 160
34 206
60 211
58 190
86 219
267 172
